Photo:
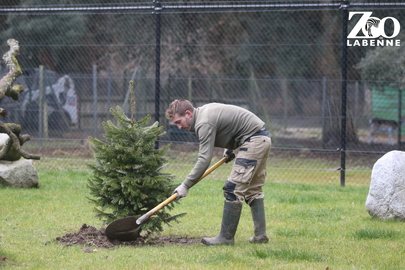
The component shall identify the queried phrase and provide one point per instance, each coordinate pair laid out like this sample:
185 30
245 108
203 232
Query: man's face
183 122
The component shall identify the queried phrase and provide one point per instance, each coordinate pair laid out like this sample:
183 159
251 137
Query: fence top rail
161 7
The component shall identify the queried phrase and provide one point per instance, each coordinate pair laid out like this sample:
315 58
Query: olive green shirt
219 125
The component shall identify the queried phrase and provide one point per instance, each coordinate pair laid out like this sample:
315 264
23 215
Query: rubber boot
259 221
230 220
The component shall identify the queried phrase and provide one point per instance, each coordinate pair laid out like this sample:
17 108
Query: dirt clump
2 259
93 237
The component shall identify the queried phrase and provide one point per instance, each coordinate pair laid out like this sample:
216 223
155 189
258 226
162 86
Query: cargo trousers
248 173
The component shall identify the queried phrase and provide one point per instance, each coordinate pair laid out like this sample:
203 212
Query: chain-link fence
315 72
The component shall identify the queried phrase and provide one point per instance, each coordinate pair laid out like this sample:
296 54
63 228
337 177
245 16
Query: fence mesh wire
281 61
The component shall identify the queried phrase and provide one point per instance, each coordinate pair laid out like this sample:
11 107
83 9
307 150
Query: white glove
181 191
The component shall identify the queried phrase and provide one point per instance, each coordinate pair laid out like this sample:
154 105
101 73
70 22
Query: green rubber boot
259 221
230 220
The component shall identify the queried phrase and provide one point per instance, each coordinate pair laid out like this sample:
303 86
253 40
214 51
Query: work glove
181 191
229 154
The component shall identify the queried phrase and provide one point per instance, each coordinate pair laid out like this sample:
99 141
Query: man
230 127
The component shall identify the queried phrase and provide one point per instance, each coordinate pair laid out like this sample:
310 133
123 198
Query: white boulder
20 173
386 197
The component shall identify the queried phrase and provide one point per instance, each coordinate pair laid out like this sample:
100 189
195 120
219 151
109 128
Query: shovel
128 228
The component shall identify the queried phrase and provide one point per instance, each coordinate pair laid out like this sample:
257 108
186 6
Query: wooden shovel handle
146 216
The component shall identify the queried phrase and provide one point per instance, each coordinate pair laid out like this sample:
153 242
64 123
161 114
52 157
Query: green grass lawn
309 226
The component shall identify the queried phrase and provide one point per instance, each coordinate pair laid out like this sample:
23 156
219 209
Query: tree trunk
330 68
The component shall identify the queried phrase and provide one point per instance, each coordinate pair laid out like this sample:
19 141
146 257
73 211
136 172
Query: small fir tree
127 178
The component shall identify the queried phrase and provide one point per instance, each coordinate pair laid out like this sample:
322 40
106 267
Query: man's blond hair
179 106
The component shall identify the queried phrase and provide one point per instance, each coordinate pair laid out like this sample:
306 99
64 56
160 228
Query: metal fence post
399 117
158 8
345 18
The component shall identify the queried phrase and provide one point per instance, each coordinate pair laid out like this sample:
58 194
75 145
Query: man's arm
206 134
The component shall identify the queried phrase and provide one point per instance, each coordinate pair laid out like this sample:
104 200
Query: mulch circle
90 236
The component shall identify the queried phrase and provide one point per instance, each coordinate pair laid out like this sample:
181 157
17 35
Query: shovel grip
146 216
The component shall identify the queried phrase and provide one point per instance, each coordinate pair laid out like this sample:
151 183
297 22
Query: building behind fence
292 63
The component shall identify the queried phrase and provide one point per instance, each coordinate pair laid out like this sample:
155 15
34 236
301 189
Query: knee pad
229 191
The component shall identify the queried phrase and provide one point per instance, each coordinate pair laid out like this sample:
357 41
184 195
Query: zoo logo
372 27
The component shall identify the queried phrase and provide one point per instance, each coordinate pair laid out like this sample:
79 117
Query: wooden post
284 90
95 109
43 106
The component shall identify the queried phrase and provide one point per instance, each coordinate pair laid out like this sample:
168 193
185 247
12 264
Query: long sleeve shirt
219 125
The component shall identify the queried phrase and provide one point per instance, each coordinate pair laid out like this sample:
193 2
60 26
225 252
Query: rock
386 197
20 173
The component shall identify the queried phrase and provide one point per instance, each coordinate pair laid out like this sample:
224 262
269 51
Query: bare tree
12 149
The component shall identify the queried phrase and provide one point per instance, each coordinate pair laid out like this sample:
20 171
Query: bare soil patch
89 236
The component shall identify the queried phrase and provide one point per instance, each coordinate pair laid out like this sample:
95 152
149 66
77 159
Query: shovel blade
123 229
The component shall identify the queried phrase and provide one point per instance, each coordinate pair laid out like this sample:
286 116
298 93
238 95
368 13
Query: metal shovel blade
123 229
128 228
